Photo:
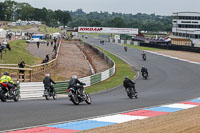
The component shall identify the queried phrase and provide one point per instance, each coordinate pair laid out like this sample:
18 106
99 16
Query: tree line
12 11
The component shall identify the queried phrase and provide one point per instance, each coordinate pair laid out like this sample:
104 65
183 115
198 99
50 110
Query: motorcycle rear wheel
130 93
75 100
3 96
46 94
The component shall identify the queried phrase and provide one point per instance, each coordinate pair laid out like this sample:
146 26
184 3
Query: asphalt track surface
170 81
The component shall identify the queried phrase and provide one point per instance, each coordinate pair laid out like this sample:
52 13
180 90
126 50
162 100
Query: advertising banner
108 30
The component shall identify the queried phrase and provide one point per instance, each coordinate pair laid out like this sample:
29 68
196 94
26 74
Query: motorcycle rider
143 54
129 83
144 70
47 83
73 83
7 80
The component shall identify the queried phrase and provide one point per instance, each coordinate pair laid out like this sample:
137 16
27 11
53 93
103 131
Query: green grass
96 34
46 29
142 48
25 27
153 35
18 51
122 70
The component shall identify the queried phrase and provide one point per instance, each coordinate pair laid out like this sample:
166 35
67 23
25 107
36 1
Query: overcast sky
159 7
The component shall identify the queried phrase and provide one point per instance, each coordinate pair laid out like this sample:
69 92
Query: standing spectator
8 46
38 44
21 64
47 57
55 40
47 43
54 48
51 43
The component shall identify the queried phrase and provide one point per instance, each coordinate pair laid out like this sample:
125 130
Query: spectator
47 57
8 46
51 43
47 43
54 48
55 40
38 44
21 64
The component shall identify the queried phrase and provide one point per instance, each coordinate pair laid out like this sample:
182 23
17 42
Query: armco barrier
35 89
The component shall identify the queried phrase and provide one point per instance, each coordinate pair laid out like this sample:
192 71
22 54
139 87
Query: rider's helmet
47 75
126 77
74 76
6 73
143 67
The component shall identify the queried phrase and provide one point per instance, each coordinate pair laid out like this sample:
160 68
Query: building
186 26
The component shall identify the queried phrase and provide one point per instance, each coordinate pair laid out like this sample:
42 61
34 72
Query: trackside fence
29 71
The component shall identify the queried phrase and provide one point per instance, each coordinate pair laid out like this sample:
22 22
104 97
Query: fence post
30 75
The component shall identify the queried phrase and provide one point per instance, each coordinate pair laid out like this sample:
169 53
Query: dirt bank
71 60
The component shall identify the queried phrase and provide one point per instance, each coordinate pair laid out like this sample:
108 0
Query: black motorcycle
125 48
76 96
102 42
131 93
49 93
8 94
144 57
145 75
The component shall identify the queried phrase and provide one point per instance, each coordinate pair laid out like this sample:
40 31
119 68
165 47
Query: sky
159 7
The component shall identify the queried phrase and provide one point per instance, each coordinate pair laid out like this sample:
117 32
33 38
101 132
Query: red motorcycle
7 94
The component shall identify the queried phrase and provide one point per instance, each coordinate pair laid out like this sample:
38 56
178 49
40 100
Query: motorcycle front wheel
54 95
88 98
16 96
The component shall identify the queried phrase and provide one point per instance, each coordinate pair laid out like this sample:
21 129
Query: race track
170 81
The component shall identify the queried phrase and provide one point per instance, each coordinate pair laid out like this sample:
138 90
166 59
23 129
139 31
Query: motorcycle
102 42
131 93
8 94
48 93
144 75
76 97
125 48
144 57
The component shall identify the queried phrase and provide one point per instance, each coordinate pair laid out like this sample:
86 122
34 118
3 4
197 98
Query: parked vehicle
76 96
34 40
8 94
131 93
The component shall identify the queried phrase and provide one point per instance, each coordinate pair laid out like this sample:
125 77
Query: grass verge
45 29
122 70
142 48
25 27
18 51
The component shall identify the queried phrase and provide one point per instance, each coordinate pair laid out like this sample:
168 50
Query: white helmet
47 75
74 76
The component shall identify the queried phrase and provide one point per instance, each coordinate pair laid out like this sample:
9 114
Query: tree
117 22
2 11
63 17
